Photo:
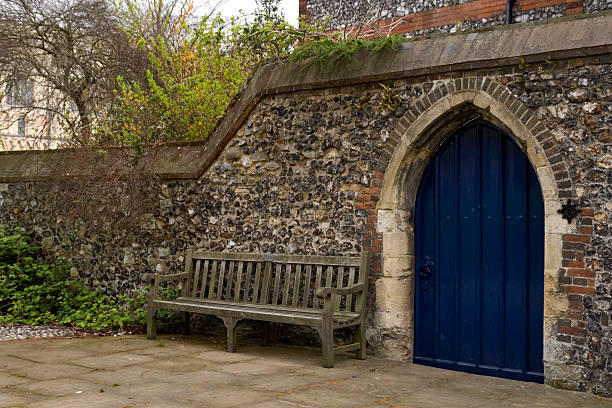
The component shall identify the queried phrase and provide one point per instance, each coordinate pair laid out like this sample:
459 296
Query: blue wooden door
480 258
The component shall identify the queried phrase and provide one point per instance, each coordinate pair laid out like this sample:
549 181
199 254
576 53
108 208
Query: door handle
426 268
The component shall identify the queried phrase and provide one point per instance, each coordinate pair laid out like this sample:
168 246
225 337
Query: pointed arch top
421 130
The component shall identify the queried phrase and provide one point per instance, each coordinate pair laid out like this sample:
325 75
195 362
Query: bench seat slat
229 278
252 311
264 297
204 278
339 283
296 285
307 286
238 282
349 298
229 256
285 259
213 278
247 282
318 260
257 306
221 280
196 278
287 284
277 279
330 276
315 301
256 284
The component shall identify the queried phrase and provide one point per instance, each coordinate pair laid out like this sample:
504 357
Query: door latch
426 270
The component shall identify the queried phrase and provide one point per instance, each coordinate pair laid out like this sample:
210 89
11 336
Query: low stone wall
316 160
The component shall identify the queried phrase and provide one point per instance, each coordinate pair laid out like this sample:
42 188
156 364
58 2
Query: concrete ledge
499 47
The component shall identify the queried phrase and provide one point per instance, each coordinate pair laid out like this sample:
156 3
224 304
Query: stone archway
418 136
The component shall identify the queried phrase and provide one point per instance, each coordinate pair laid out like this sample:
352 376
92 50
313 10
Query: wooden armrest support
158 278
324 292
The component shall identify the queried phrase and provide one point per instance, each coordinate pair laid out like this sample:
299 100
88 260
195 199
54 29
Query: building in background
27 118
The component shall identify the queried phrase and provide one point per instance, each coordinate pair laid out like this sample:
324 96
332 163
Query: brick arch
433 118
493 100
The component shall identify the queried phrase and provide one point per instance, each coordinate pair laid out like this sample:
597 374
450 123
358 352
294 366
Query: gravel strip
9 332
21 332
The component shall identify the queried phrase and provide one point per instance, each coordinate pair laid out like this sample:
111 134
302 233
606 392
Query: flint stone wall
298 165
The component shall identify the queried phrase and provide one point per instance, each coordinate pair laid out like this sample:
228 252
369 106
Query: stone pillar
395 289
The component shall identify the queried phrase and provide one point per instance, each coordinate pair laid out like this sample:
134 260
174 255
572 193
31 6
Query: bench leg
266 338
186 321
360 337
151 322
327 341
230 324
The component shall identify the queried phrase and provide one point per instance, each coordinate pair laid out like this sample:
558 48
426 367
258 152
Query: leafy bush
13 247
34 292
187 90
193 73
331 49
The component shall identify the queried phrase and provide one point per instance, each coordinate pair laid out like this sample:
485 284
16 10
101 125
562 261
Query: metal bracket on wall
569 211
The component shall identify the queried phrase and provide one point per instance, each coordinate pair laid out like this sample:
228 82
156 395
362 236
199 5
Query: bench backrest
265 279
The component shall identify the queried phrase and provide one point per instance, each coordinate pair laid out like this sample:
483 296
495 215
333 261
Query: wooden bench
323 292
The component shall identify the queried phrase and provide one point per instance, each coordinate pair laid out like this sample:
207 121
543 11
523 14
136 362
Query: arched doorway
479 249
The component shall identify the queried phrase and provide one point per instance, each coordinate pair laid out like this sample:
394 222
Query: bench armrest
158 278
327 291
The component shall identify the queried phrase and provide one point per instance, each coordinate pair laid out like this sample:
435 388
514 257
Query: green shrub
332 49
34 292
14 246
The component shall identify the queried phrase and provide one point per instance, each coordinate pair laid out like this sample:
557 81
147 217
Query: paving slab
197 378
178 364
12 400
228 396
224 357
195 371
123 376
41 355
7 379
92 400
41 372
59 387
113 360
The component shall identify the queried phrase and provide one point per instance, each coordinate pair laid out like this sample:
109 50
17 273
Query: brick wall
577 279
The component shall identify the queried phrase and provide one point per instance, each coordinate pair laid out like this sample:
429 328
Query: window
21 126
18 93
9 93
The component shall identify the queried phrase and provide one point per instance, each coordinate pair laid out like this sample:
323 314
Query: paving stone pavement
192 371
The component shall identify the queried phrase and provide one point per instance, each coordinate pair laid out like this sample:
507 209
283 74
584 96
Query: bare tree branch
73 50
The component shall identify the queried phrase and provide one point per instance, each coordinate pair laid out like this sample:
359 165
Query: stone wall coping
530 42
169 161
